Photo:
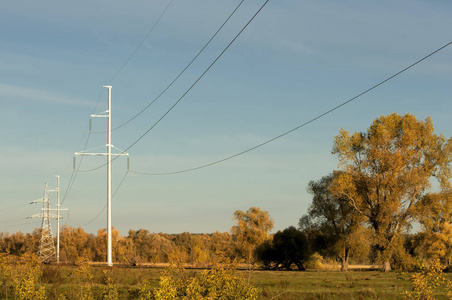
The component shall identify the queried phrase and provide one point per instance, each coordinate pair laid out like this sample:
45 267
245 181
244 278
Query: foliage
333 226
19 243
74 243
272 284
138 247
427 282
110 290
145 292
20 275
83 278
251 230
435 215
216 283
387 170
288 247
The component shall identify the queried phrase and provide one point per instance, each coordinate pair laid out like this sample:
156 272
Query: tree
387 170
333 225
75 243
251 230
435 216
221 247
288 247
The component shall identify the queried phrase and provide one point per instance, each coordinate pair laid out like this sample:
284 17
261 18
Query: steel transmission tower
109 154
46 245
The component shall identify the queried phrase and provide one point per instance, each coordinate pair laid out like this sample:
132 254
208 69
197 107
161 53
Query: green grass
281 285
330 285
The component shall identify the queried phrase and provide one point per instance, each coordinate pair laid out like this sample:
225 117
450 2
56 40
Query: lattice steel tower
46 244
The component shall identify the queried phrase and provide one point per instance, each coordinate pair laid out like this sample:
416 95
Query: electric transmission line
103 209
180 74
74 174
141 43
199 78
189 89
300 126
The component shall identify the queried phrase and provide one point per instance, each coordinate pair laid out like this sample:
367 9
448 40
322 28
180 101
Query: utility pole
109 242
106 114
58 217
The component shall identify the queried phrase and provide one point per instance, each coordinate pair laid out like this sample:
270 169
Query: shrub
427 281
217 283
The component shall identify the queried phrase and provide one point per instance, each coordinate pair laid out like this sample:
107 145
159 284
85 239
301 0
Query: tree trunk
344 260
386 266
344 264
300 266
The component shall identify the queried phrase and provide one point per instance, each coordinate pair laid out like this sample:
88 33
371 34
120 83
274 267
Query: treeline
139 246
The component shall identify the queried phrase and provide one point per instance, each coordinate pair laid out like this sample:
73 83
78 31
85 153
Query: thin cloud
29 94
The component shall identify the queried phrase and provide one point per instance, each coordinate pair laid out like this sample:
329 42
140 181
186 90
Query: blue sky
296 60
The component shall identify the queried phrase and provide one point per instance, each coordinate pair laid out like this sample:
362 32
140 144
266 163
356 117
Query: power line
183 71
103 209
136 49
74 175
199 78
189 89
302 125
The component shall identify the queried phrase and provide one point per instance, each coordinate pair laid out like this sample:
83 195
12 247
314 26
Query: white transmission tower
109 154
46 245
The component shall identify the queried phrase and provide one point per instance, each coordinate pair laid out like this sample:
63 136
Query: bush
426 282
21 276
217 283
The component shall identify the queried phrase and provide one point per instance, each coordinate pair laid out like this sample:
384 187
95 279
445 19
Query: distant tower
46 245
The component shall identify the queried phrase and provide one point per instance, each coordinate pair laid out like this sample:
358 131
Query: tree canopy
252 229
388 169
288 247
332 225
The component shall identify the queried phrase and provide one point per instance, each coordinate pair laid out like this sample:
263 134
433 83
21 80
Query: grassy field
272 284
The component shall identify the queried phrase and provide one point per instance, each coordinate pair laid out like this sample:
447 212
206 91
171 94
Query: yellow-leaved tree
252 229
435 216
387 170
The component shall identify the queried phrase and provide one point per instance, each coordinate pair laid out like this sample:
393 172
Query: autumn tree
100 245
20 243
221 247
435 216
252 229
150 247
332 224
386 170
75 242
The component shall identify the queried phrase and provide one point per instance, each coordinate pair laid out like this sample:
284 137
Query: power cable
103 209
182 72
136 49
189 89
302 125
73 174
199 78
